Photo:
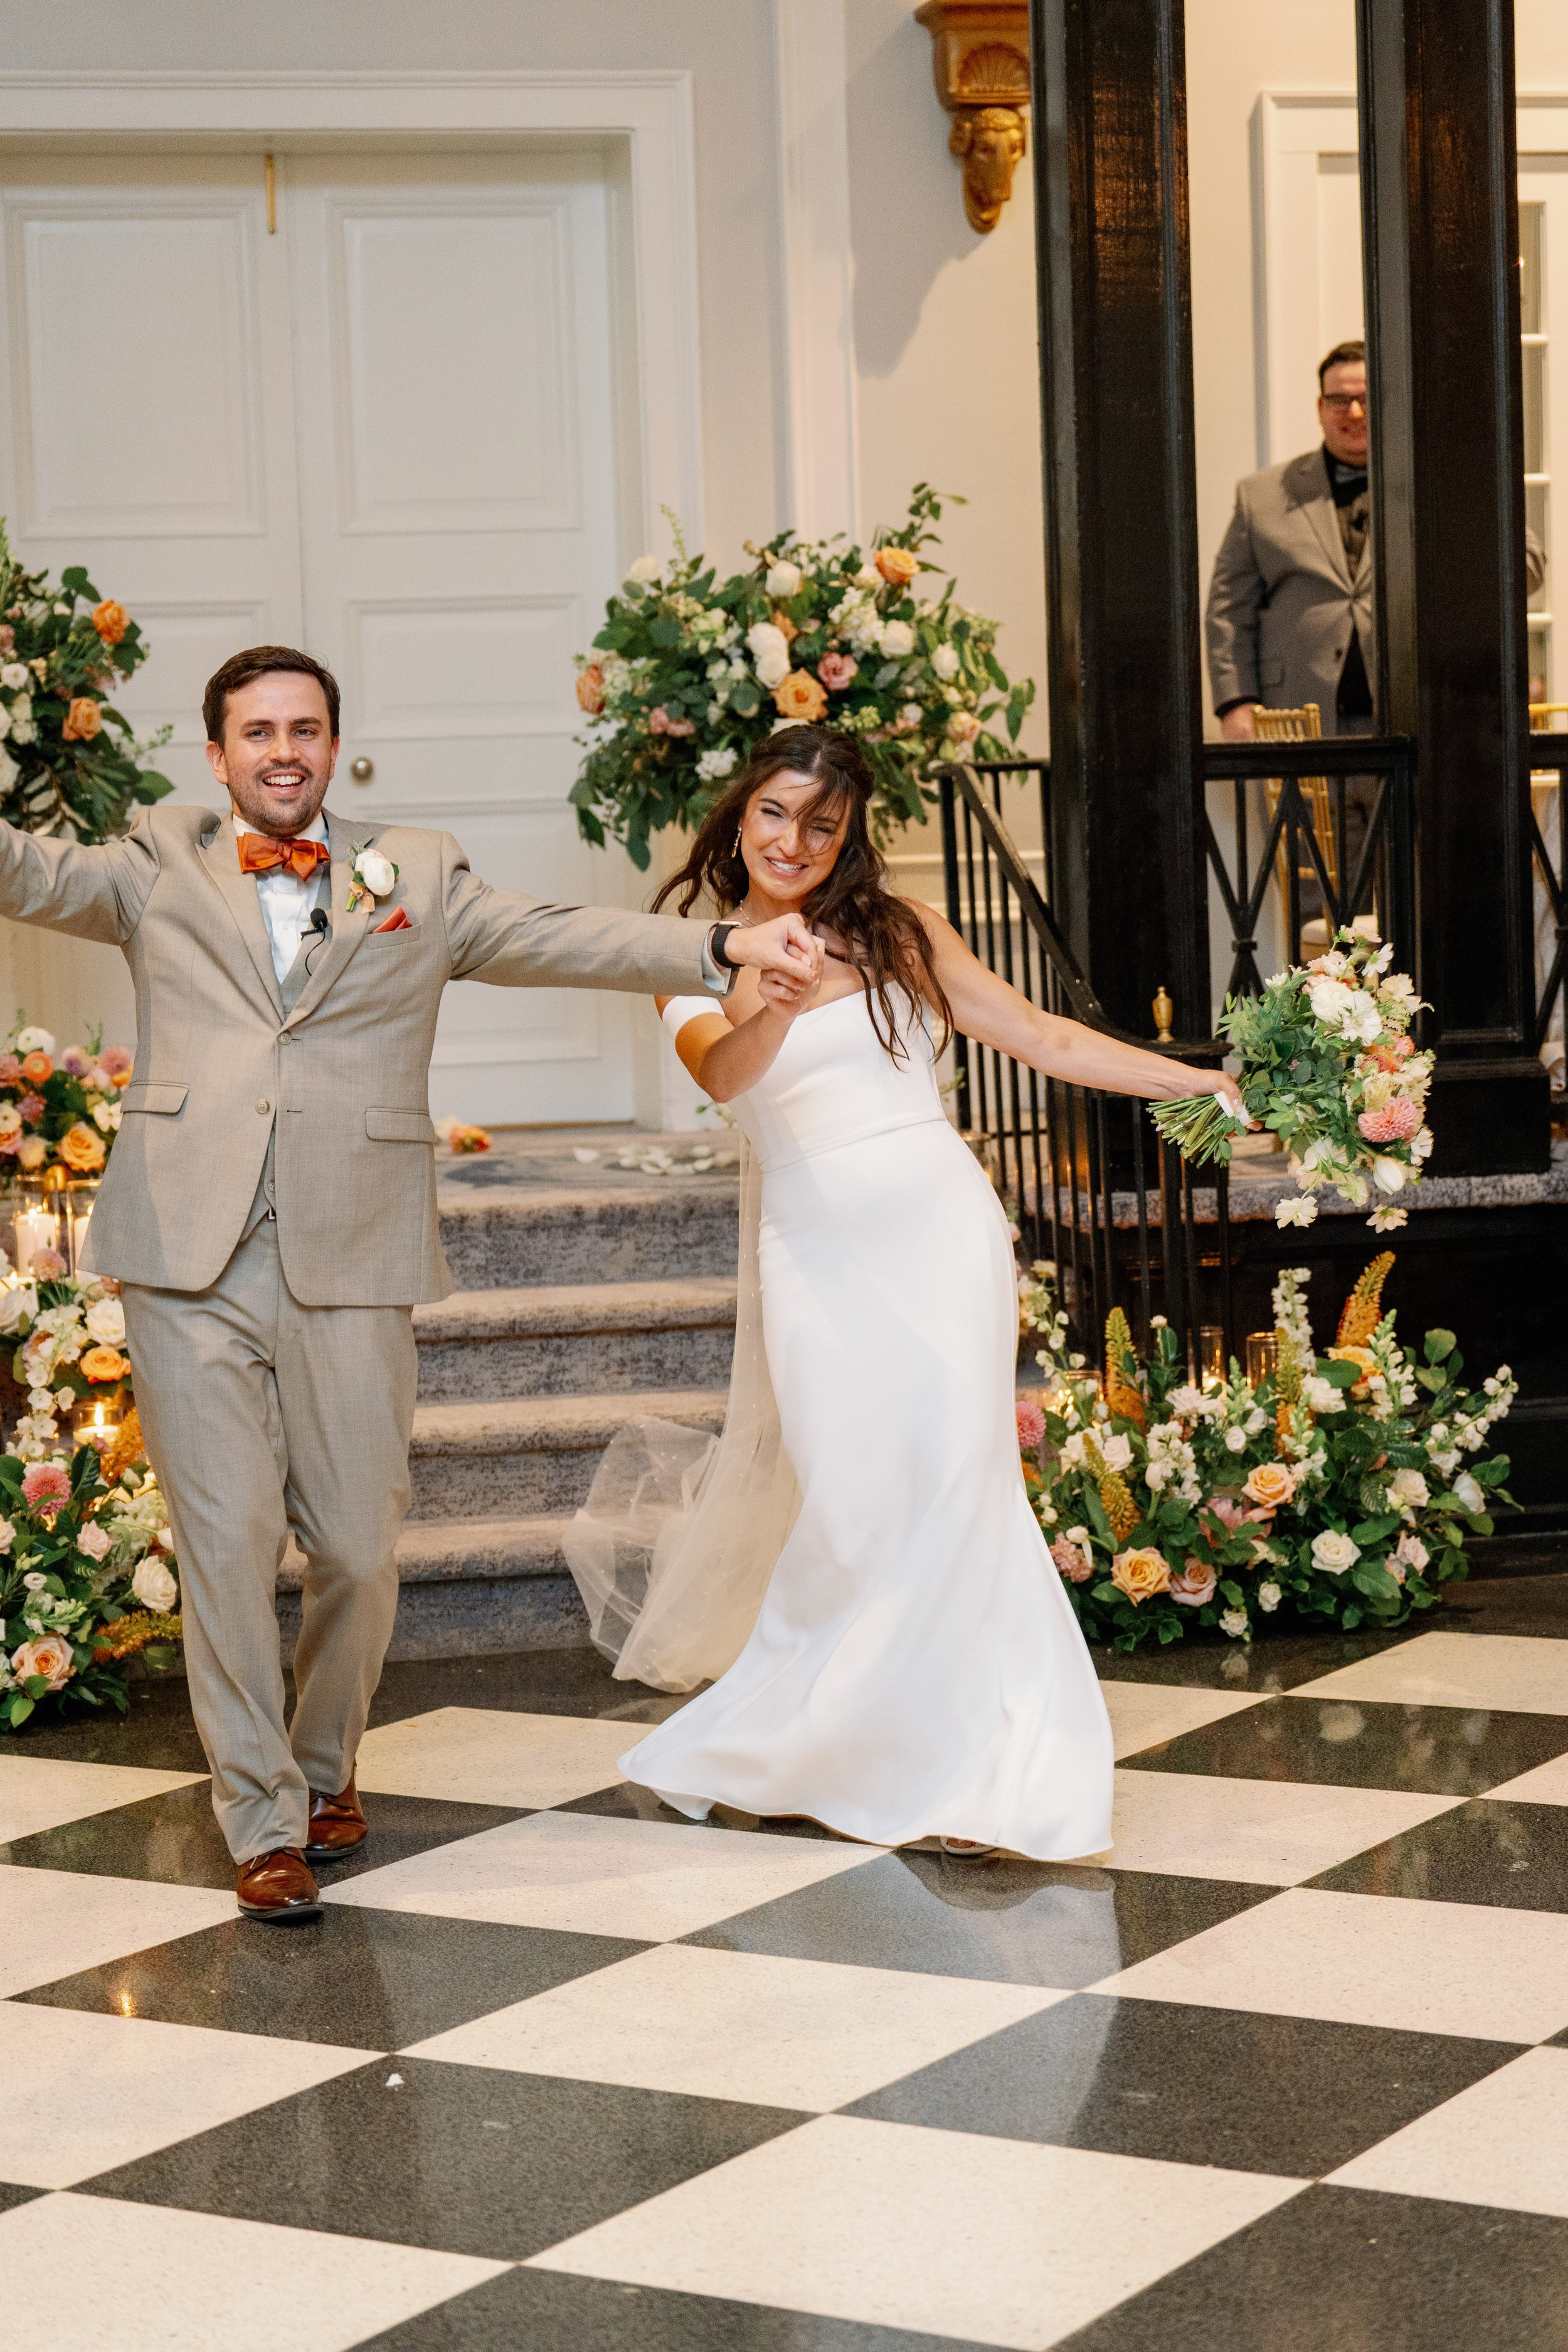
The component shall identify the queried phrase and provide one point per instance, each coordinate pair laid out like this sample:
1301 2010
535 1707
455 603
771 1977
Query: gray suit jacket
342 1073
1283 603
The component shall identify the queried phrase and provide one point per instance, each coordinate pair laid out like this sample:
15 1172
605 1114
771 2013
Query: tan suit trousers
261 1415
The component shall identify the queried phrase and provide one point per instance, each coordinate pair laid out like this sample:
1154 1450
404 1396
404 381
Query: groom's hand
785 946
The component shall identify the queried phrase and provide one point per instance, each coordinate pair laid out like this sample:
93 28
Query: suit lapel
220 856
347 930
1307 480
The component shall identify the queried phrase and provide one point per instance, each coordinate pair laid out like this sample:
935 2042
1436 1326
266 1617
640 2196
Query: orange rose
1141 1574
83 720
103 1364
37 1067
80 1149
898 565
800 697
591 689
1272 1484
109 619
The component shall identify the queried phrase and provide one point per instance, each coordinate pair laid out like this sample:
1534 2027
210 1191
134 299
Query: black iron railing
1549 757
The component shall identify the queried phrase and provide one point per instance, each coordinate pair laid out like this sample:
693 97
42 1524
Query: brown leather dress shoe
276 1885
338 1825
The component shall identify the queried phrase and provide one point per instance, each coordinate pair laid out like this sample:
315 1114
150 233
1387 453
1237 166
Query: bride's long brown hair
887 943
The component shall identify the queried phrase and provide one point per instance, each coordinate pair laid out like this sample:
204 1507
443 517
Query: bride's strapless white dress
915 1668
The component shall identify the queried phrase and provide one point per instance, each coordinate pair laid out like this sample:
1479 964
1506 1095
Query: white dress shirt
285 899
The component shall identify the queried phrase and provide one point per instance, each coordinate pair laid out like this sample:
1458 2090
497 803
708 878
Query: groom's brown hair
254 662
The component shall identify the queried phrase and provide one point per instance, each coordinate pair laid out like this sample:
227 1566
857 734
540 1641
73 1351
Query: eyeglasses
1342 402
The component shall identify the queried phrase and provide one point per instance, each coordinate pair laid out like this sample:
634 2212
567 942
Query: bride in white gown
857 1561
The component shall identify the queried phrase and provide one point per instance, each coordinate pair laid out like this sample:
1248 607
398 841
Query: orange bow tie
258 853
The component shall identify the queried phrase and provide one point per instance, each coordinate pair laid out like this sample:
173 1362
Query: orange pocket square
396 921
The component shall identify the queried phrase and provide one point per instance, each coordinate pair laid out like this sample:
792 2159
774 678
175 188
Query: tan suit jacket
343 1075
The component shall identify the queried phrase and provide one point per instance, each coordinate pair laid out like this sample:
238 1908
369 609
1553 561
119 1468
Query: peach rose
800 697
898 565
836 670
659 722
109 619
83 720
36 1068
103 1364
81 1150
49 1655
1195 1584
591 689
1140 1573
1272 1484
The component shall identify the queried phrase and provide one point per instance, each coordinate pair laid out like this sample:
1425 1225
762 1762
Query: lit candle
36 1231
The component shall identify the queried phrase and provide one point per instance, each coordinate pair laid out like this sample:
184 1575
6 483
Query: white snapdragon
1172 1467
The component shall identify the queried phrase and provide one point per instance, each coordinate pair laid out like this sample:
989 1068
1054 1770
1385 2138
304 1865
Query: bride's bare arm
727 1059
986 1008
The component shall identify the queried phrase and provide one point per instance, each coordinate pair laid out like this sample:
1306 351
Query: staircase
586 1294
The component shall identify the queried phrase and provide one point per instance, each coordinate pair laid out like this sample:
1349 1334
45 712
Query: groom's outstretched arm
515 941
93 893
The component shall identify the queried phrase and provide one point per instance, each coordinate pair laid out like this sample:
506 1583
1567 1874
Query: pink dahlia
46 1488
1397 1124
1031 1424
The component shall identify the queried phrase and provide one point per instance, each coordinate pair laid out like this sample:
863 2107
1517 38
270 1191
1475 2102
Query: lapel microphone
322 926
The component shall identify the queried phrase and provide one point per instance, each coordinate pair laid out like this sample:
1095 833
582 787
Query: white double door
386 428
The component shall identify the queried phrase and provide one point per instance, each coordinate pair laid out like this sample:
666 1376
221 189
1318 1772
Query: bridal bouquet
1327 1063
689 674
58 1109
69 763
1342 1488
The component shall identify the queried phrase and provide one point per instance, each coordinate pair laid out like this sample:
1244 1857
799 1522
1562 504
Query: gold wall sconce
980 55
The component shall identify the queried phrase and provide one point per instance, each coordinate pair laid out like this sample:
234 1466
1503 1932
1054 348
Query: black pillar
1110 193
1439 199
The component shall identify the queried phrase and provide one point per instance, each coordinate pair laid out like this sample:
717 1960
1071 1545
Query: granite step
565 1338
467 1586
508 1237
527 1457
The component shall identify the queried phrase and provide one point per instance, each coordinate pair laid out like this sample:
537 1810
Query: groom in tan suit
269 1209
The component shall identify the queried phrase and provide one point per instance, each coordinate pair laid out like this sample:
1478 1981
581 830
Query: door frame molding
650 109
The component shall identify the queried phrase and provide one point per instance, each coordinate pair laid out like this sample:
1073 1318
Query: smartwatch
718 945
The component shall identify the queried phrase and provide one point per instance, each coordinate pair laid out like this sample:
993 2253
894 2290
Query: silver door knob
362 770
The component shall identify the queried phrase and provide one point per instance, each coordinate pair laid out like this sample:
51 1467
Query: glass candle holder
95 1421
1262 1357
81 1198
1211 1355
38 1224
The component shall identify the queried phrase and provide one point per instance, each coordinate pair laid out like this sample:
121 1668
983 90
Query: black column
1440 200
1110 193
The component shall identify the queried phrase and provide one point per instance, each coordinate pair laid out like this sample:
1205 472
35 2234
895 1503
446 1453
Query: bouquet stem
1199 1126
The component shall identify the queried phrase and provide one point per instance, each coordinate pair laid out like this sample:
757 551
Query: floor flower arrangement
689 672
1342 1488
58 1110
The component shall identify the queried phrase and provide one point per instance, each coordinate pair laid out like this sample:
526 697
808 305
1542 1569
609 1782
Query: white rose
713 766
106 1323
1234 1622
156 1586
1323 1396
646 571
1117 1451
867 576
1469 1493
945 661
375 872
896 639
1236 1439
783 579
1330 1000
770 652
1389 1175
1333 1553
94 1542
1408 1487
34 1041
1268 1597
16 674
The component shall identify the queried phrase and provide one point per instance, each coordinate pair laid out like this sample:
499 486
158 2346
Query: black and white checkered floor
557 2071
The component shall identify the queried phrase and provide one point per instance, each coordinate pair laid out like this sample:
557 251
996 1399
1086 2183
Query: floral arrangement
1327 1062
69 763
58 1113
689 674
88 1579
70 1336
460 1139
1342 1488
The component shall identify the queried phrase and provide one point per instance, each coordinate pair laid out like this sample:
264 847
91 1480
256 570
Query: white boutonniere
371 876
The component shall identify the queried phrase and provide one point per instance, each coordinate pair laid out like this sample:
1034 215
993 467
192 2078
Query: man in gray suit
1290 616
269 1210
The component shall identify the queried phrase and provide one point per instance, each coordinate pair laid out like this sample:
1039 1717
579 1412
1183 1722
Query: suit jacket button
264 1105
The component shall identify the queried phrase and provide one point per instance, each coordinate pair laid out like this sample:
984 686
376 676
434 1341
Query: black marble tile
175 1837
1440 1751
549 2311
1348 2270
1005 1922
1536 1605
467 2158
13 2193
156 1733
527 1682
1492 1851
1275 1661
359 1979
1191 2085
629 1801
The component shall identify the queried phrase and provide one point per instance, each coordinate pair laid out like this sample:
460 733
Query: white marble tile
1546 1784
1263 1833
1518 1672
1142 1715
739 2025
54 1923
112 2276
104 2090
1502 2142
487 1755
599 1876
37 1793
949 2233
1372 1959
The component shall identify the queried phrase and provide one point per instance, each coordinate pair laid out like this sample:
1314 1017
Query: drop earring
737 848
